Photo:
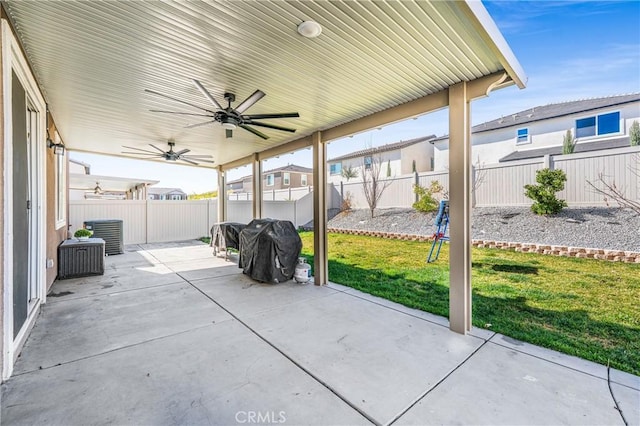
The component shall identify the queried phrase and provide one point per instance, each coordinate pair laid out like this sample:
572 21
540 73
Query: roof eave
485 25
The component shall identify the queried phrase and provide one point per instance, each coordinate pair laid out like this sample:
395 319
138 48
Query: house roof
557 150
288 168
162 191
95 76
382 148
550 111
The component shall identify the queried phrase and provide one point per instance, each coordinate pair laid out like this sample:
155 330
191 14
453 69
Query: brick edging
552 250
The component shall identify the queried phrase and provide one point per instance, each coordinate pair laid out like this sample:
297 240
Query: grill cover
269 250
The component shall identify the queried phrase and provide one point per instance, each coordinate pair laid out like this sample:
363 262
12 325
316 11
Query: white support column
460 209
222 195
320 262
257 187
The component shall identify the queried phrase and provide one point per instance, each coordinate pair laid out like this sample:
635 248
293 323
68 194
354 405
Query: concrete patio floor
171 335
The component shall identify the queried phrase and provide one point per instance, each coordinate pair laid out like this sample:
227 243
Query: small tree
544 193
413 166
349 172
372 185
568 143
612 192
634 133
426 201
389 168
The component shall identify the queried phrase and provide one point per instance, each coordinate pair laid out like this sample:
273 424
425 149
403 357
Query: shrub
81 233
347 202
426 202
568 143
544 193
634 133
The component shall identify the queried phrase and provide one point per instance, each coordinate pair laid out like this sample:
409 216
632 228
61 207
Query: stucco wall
391 158
489 147
421 153
54 236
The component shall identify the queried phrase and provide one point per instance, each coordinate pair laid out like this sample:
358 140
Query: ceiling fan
170 155
229 117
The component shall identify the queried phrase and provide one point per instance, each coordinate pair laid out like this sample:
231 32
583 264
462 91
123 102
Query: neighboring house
290 176
85 186
399 158
166 194
598 123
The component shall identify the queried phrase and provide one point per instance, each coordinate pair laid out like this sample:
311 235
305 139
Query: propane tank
302 274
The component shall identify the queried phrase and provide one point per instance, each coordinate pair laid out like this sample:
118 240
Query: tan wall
54 237
2 206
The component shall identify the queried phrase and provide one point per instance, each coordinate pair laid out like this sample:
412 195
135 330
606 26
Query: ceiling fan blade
191 126
138 149
200 160
158 149
184 151
188 161
247 103
177 100
153 154
254 131
281 115
270 126
206 94
228 133
199 156
180 113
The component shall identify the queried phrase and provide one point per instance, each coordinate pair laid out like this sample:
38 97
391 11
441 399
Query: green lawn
582 307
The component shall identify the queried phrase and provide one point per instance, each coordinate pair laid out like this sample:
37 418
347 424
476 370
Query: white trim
12 60
528 141
620 132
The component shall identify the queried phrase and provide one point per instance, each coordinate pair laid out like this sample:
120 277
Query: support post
460 209
222 195
320 263
257 187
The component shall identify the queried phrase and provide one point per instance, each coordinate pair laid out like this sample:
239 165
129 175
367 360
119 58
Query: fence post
547 162
146 221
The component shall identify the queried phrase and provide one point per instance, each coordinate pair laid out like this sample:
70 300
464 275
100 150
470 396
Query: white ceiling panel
94 61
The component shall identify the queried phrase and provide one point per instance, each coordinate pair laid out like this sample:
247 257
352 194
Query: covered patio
172 335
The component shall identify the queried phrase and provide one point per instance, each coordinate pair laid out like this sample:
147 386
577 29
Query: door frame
14 61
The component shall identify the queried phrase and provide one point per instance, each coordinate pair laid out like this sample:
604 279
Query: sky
570 50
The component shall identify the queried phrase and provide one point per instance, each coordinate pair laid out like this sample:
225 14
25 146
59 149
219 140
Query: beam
320 251
222 195
257 186
286 148
237 163
460 209
405 111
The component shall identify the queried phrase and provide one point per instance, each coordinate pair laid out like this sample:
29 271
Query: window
286 179
176 197
602 124
61 193
270 179
303 180
367 163
522 136
335 168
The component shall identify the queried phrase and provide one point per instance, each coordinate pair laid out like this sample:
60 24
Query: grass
582 307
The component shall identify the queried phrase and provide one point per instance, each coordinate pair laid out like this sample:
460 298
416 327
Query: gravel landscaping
592 227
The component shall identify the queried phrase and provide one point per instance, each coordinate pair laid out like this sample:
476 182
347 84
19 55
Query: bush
568 143
82 233
544 194
426 202
634 133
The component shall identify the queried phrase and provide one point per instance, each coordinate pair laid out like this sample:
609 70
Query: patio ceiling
95 59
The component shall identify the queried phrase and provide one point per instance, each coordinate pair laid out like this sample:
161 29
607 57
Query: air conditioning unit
110 231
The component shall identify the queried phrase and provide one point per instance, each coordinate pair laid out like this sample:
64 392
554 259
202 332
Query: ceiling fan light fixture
228 126
309 29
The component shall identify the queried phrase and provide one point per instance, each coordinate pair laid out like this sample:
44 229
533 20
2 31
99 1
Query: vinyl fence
503 184
153 221
498 185
288 194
